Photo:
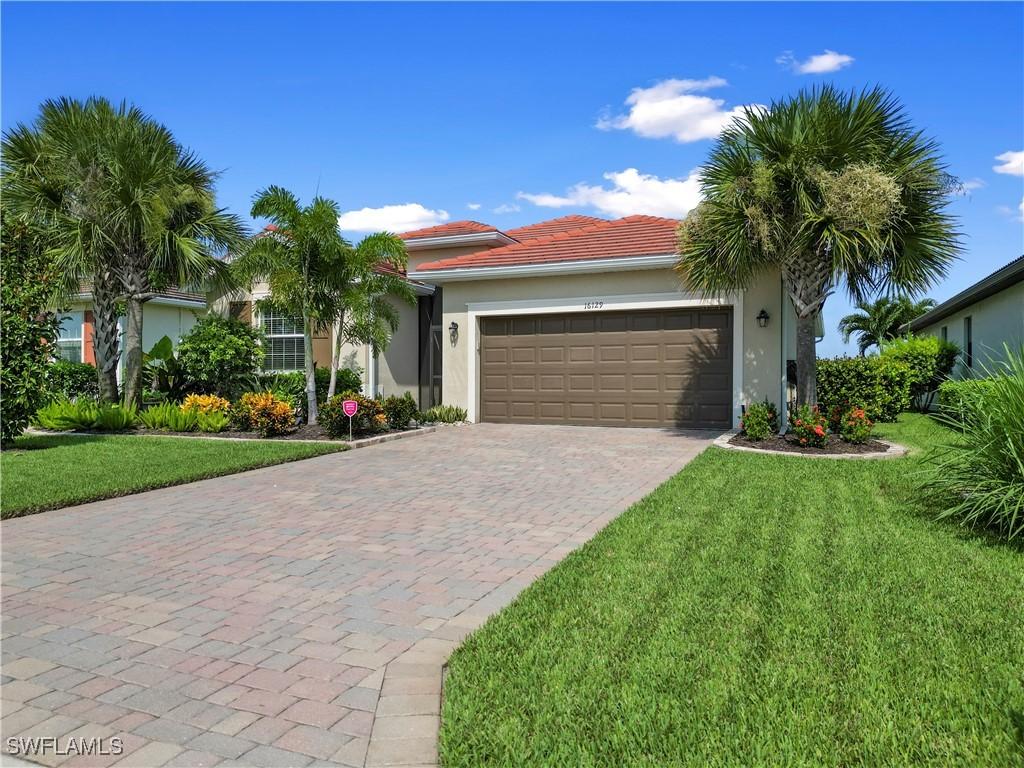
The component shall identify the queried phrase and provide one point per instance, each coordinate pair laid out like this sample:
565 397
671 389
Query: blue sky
518 108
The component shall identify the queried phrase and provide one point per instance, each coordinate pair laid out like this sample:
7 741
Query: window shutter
241 310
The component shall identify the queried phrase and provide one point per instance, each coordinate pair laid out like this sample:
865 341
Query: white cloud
673 108
473 206
1011 163
506 208
829 61
631 192
391 218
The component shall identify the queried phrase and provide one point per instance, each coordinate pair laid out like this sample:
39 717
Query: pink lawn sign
349 407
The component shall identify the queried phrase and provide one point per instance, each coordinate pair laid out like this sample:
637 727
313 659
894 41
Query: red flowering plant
808 426
855 426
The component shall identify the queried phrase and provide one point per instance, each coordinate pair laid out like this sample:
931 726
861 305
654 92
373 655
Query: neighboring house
171 313
576 320
981 319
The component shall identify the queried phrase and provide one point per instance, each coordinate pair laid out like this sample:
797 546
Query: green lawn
50 471
757 610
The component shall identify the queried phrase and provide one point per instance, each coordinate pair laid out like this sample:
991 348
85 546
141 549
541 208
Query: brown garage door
631 369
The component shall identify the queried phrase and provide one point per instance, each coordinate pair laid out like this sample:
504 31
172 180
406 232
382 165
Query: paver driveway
299 613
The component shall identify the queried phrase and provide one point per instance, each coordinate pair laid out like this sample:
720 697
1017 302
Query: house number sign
595 304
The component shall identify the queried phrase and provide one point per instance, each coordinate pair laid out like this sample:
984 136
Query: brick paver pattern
299 614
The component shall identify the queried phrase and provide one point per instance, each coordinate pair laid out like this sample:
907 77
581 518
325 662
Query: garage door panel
644 368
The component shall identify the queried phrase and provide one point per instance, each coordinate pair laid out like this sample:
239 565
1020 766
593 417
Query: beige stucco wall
762 366
398 365
996 320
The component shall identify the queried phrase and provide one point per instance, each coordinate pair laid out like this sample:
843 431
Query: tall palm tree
829 188
366 312
881 320
126 206
301 257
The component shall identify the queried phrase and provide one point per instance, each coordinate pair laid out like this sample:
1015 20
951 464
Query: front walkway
301 613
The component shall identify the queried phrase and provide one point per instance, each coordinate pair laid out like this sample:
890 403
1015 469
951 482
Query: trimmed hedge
65 378
879 385
930 359
957 399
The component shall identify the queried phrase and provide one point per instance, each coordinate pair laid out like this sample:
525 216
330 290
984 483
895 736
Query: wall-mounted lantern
762 318
453 332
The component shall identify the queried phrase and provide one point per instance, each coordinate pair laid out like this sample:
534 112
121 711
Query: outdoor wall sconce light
762 318
453 332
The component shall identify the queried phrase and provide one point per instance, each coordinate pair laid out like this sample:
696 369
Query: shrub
263 412
292 385
163 371
808 425
399 410
218 355
114 417
930 360
855 426
760 421
158 416
879 385
69 379
27 276
445 414
212 421
369 419
64 414
206 404
957 399
979 475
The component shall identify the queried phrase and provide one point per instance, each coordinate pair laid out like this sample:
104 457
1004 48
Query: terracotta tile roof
551 226
449 229
630 236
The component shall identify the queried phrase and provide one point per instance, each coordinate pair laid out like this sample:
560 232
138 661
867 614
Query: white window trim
258 324
611 303
80 338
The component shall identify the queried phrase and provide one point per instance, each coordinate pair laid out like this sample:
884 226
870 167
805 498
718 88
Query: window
968 343
69 340
283 348
945 333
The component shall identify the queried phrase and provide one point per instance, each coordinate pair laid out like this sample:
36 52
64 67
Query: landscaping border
361 443
895 451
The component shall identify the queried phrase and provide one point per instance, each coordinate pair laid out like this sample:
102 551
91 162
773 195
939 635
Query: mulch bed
302 432
790 445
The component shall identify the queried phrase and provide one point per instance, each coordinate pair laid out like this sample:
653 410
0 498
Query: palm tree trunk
335 355
307 345
133 352
105 341
806 360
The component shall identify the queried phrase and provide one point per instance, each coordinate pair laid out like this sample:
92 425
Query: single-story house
980 319
575 320
171 312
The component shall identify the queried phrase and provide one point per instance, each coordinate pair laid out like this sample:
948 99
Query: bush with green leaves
27 279
855 426
65 414
369 419
443 414
400 410
115 417
292 385
879 385
957 396
66 378
157 416
219 356
978 475
212 421
760 420
162 370
808 425
930 360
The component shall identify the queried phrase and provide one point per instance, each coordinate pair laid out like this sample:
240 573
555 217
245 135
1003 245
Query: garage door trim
608 303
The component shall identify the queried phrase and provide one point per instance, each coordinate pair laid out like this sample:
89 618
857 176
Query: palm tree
881 320
366 313
301 257
828 188
124 205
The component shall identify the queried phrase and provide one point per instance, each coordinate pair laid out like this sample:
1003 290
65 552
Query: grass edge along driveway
45 472
757 610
